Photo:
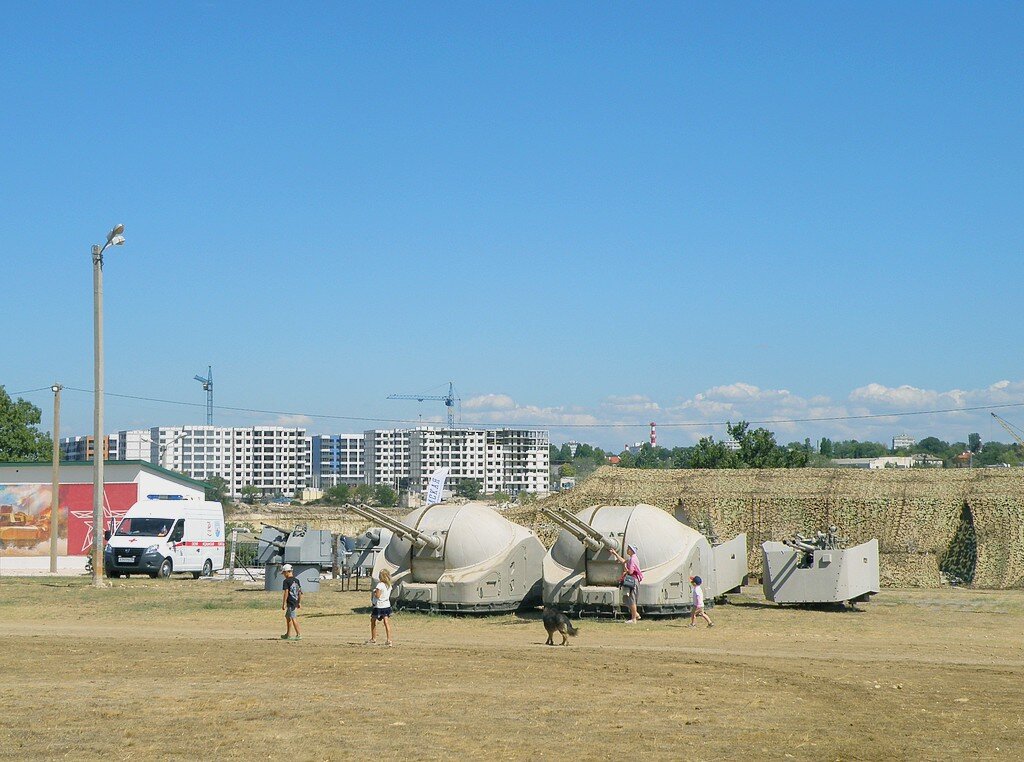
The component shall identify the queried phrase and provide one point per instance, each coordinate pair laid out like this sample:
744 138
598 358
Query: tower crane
1009 428
449 400
208 388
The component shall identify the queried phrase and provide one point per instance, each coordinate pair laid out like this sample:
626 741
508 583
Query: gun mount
458 558
819 569
307 550
582 570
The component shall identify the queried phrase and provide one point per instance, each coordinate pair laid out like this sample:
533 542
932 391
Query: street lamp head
116 231
55 388
117 240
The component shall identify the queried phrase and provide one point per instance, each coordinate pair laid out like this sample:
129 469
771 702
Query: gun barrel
406 532
277 545
796 545
580 529
583 537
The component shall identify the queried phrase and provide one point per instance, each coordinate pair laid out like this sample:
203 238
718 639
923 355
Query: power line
682 424
30 391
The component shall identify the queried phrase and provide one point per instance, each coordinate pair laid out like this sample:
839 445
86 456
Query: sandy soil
184 669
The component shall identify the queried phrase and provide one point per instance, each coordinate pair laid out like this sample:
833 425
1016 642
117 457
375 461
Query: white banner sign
436 486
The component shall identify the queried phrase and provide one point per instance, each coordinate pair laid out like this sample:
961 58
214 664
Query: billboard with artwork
25 516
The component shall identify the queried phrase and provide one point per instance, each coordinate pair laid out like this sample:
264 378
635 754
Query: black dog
556 621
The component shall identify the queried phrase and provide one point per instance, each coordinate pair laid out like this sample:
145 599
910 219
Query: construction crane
208 388
1010 428
449 400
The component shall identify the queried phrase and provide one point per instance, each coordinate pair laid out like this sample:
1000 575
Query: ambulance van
166 534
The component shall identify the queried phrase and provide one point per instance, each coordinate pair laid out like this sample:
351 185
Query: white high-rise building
501 460
463 451
901 441
273 459
518 460
337 459
134 444
386 457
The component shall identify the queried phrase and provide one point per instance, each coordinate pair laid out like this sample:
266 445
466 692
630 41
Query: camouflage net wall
934 526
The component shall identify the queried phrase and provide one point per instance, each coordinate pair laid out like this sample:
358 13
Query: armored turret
459 558
582 569
819 569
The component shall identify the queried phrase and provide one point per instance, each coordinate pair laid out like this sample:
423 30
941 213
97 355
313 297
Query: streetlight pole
55 489
114 238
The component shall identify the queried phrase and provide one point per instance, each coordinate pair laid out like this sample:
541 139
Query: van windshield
139 527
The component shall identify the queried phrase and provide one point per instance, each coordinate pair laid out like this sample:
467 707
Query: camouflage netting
934 526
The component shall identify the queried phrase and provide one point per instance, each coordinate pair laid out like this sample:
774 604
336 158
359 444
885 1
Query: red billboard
25 516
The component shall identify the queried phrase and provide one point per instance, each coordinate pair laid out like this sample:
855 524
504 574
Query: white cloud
620 418
489 402
630 403
302 421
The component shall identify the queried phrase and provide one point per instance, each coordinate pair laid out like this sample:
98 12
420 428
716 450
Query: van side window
178 532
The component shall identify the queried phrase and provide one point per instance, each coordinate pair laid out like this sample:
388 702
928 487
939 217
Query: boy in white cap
698 603
292 601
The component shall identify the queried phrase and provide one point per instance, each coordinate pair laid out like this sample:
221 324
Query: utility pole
114 238
55 489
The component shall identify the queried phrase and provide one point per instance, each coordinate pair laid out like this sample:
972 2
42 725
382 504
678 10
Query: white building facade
273 459
337 459
903 441
500 460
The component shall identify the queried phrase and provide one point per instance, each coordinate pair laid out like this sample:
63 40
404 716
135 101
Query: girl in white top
381 608
698 603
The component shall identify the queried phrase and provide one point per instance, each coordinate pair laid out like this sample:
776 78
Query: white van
167 533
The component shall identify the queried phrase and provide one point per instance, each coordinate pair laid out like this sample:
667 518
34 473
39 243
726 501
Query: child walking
292 601
381 608
698 603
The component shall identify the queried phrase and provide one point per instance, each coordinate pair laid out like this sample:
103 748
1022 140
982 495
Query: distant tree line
757 448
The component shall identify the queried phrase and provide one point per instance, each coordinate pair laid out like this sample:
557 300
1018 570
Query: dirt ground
184 669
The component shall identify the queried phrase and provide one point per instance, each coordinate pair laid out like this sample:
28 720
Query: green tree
217 489
526 498
567 469
363 493
337 495
20 440
469 488
933 446
711 454
974 442
825 447
501 497
385 496
249 493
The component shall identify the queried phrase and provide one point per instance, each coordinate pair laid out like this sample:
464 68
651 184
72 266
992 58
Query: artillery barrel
580 529
276 529
278 545
406 532
804 546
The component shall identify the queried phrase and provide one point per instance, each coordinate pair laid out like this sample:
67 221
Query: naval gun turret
819 569
309 551
582 569
459 558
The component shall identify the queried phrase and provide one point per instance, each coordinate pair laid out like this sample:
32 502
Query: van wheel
207 568
165 569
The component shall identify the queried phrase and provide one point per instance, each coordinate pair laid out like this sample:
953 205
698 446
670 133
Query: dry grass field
186 669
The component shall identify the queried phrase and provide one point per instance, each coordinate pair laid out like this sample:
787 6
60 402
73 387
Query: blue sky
580 213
